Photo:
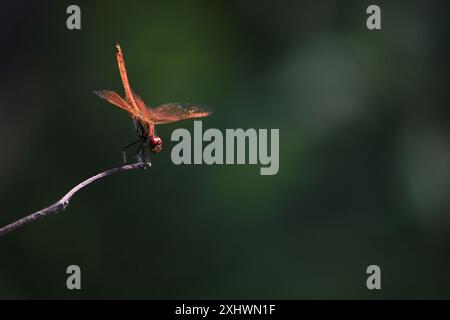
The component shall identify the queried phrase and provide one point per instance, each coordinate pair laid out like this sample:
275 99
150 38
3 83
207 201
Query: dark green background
364 150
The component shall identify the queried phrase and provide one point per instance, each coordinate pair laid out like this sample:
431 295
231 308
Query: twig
62 203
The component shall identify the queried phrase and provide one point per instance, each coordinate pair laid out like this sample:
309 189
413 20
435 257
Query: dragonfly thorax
156 143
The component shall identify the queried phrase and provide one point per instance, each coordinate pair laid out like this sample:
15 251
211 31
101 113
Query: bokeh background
364 150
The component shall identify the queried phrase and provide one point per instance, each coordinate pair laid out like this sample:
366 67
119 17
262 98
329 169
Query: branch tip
63 203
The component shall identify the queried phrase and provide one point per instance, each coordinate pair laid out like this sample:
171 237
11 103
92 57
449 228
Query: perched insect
145 118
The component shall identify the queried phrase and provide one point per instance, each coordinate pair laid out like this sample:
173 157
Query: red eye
155 143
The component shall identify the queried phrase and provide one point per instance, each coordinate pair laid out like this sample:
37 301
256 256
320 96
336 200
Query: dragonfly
145 118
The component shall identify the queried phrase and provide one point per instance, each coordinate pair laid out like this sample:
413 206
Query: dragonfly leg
142 153
124 150
146 153
139 152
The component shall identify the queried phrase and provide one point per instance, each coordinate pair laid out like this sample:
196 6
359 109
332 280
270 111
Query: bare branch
62 203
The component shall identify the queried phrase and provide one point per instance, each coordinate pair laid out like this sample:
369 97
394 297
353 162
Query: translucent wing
172 112
143 109
115 99
139 101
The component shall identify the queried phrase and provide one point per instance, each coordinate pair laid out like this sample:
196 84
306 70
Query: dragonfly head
156 143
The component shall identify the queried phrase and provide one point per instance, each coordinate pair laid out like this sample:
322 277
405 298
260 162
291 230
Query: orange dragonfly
145 118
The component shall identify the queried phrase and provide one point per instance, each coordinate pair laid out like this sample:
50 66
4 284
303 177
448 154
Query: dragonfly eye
156 144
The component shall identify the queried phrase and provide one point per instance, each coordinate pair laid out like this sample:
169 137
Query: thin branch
62 203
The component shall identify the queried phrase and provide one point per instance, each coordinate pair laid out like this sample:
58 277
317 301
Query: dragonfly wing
115 99
172 112
144 113
140 103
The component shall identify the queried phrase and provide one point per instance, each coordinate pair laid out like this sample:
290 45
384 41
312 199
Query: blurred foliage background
364 151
